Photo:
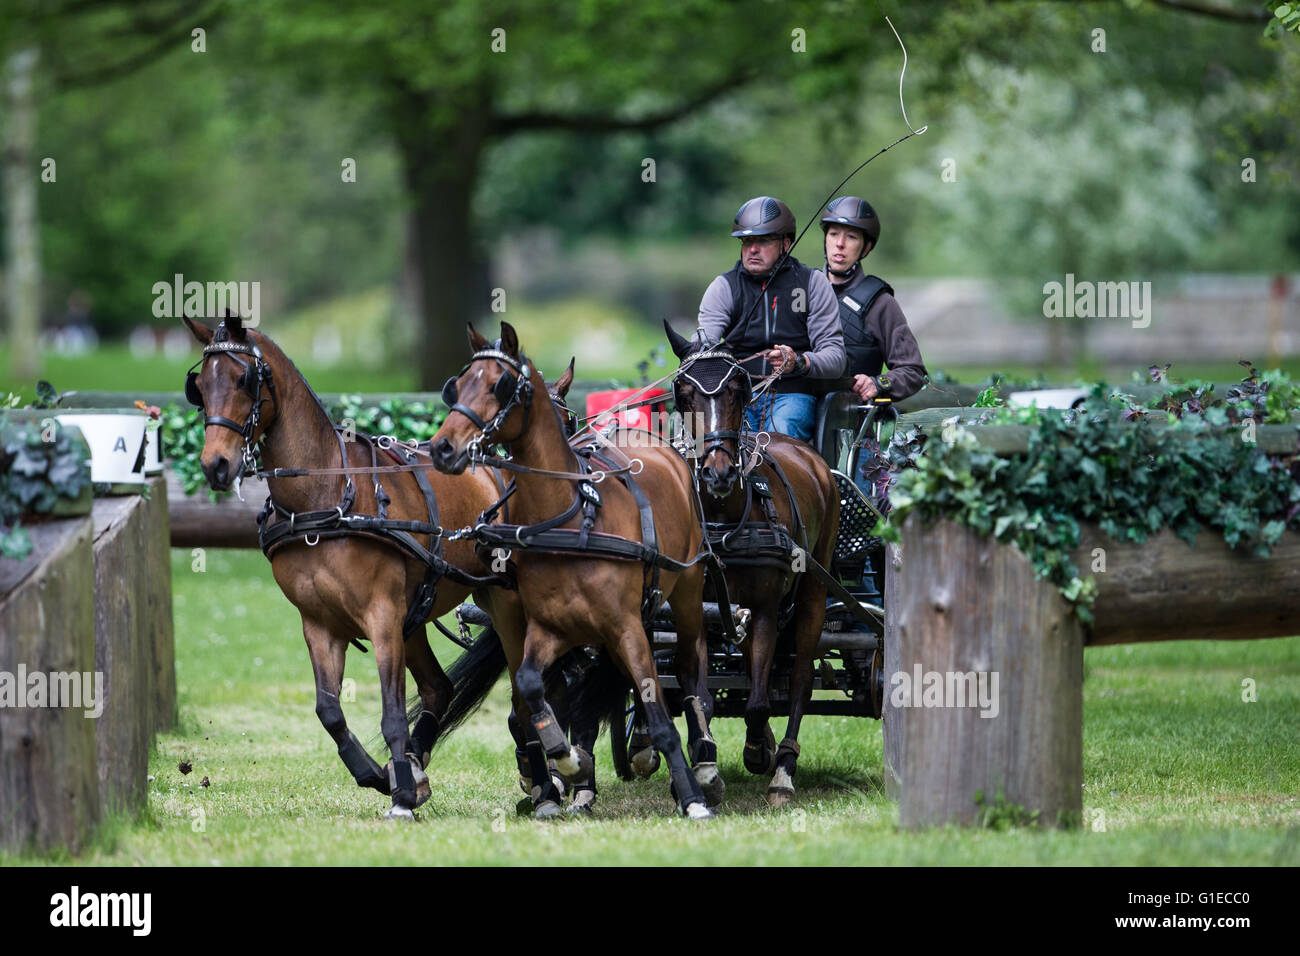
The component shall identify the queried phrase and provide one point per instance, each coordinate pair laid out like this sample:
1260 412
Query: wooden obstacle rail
90 609
959 604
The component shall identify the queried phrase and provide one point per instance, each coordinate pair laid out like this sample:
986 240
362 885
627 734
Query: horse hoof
524 807
581 805
400 813
777 798
547 810
760 758
645 762
711 783
422 789
697 811
781 790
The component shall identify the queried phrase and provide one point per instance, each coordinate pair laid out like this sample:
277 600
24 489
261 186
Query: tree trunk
23 275
444 283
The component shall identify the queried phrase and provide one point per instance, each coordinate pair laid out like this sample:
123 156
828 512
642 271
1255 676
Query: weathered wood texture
889 714
123 652
198 522
967 605
1167 590
49 787
134 647
157 595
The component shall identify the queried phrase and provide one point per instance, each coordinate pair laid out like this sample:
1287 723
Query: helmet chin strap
843 273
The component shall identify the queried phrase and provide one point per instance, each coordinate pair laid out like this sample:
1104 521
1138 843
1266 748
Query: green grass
1183 770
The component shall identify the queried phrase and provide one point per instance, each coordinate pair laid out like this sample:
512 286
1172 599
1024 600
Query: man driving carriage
770 302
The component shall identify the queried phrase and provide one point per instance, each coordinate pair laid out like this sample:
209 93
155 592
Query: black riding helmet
763 216
856 213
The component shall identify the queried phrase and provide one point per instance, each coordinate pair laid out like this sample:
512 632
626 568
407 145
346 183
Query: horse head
711 391
489 401
232 382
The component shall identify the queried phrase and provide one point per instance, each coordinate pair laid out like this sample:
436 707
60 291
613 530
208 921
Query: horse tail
472 676
599 693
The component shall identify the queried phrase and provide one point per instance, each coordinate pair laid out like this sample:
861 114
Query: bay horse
350 556
593 559
764 507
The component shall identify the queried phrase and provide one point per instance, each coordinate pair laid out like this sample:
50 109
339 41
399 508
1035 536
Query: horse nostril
221 471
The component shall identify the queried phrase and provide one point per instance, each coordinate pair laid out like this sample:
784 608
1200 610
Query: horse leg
541 649
406 779
808 632
633 650
584 791
327 656
641 749
435 691
760 744
697 702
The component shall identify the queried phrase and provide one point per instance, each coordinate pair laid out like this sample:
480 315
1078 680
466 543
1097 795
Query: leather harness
340 521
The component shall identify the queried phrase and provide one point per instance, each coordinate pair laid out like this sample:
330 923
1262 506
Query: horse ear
200 331
509 340
561 386
234 325
681 347
476 342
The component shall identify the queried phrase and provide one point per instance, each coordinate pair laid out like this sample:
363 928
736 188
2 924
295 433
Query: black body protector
780 314
865 353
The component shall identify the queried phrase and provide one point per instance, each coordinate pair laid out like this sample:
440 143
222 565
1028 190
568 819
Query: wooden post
156 600
964 606
133 640
895 619
49 789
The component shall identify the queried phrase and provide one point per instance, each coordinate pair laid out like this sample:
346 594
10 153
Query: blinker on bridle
513 388
710 381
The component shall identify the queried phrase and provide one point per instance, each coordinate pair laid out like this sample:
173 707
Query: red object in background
640 417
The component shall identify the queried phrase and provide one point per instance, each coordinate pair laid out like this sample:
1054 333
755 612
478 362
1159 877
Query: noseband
251 380
512 389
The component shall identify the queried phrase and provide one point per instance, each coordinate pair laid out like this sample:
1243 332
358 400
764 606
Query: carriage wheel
620 735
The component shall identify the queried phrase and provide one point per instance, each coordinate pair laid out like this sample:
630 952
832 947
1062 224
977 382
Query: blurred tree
448 79
78 43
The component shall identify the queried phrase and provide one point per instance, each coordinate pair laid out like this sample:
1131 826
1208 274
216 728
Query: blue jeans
790 413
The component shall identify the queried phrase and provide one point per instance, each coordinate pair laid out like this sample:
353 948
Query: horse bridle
512 389
714 440
251 381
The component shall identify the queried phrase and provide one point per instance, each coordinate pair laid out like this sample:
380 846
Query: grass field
1177 767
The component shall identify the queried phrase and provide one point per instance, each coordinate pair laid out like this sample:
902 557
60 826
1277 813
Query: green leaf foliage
34 474
1107 463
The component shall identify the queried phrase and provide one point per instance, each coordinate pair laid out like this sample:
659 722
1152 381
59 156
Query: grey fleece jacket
827 356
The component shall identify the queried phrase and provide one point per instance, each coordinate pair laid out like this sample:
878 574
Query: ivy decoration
1104 463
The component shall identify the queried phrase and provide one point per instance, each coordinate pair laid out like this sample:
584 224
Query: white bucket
115 439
